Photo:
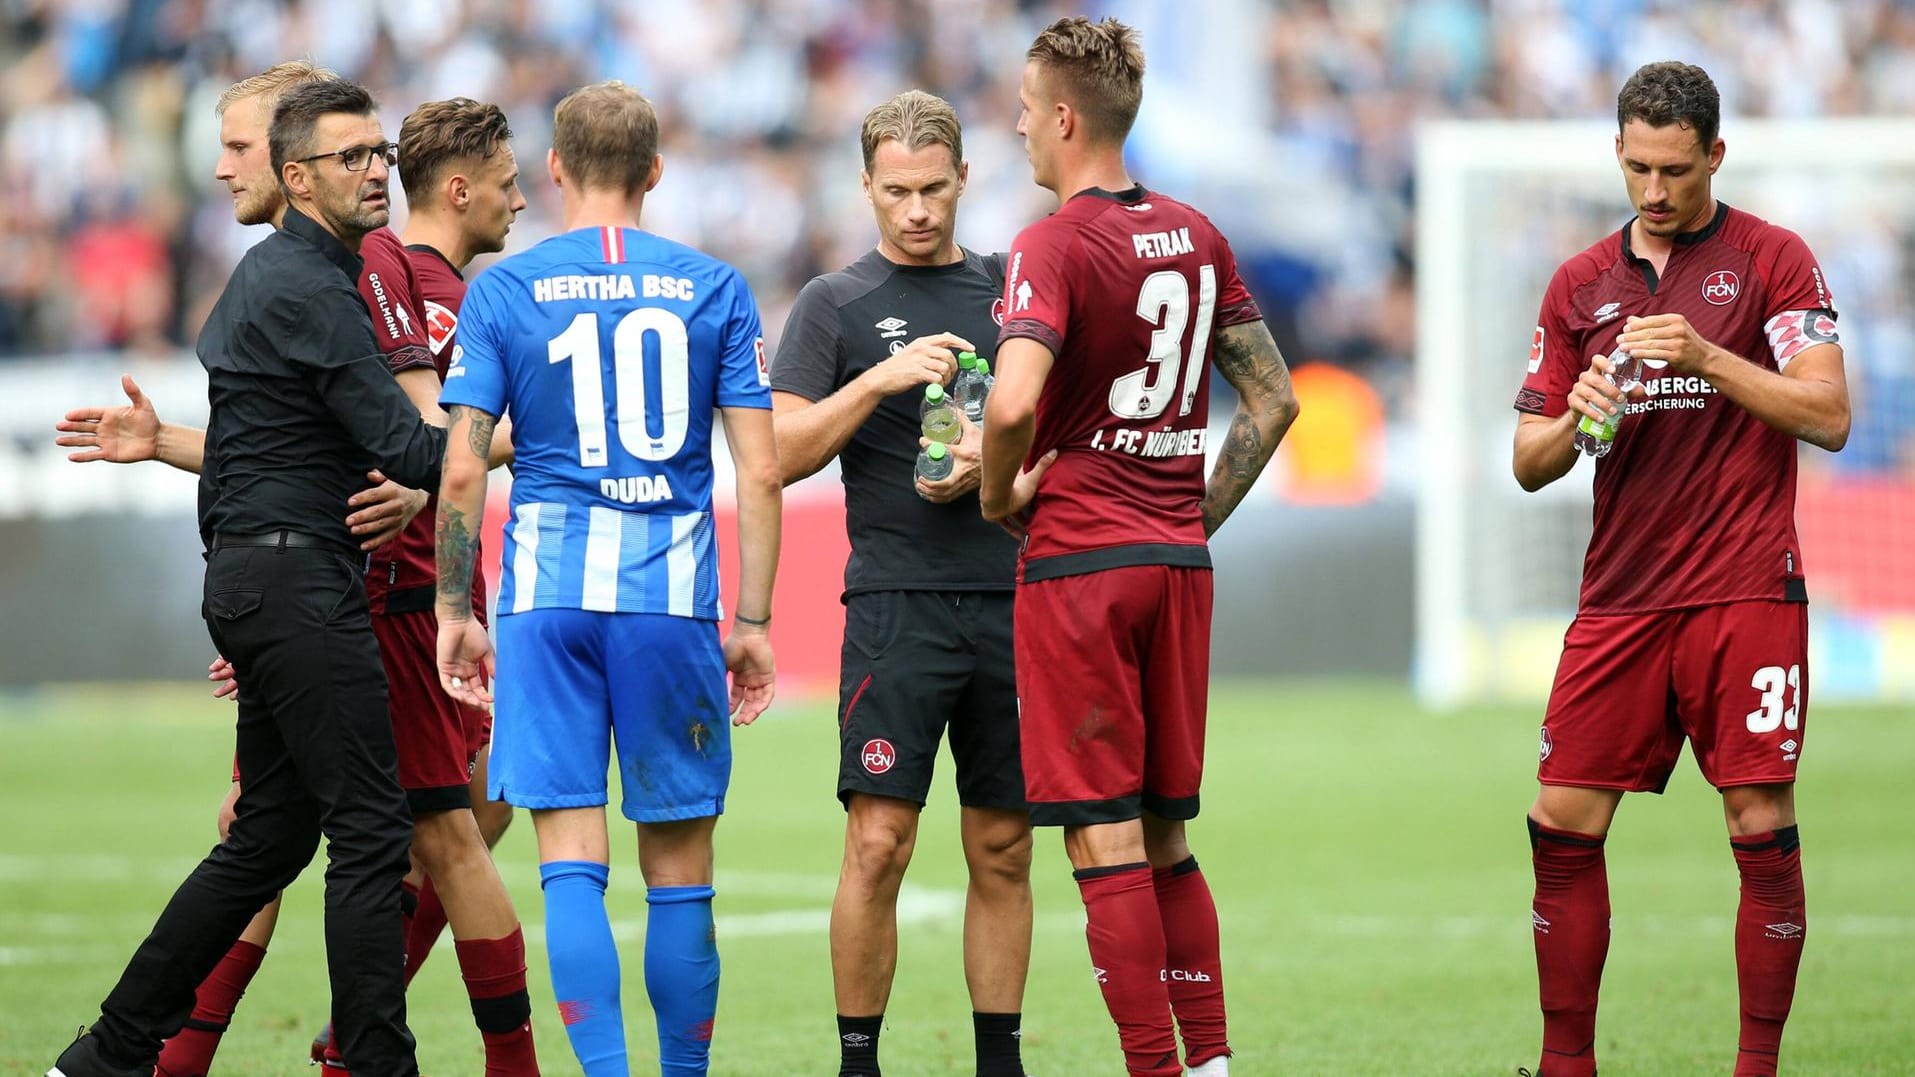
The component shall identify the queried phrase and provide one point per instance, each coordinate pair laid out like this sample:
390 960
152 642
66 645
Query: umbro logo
1784 931
892 327
1536 920
856 1039
1606 312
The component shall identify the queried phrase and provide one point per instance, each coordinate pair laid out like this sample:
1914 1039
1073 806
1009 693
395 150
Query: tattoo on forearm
1248 358
457 546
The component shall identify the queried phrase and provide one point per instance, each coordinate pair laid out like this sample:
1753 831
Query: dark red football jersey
442 289
1695 503
407 564
391 291
1128 291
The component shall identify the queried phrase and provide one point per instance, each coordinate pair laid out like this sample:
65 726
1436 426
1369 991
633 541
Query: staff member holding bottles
927 589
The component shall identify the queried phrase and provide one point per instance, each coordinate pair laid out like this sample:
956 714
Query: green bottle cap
934 393
967 359
983 366
937 451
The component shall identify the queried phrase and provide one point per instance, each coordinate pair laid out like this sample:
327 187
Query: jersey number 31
580 344
1164 302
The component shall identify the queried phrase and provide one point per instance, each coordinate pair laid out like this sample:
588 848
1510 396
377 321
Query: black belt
278 539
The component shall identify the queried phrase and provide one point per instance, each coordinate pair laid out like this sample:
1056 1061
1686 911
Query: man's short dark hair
440 134
297 114
1671 91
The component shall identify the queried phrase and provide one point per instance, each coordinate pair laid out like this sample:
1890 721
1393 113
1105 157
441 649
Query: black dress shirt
302 403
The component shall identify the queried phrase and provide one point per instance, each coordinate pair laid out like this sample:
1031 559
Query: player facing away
1116 305
611 349
1693 619
928 587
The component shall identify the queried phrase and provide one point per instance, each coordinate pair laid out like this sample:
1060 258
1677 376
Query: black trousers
315 756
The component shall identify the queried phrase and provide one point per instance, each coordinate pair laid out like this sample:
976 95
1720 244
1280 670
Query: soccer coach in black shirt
927 590
302 408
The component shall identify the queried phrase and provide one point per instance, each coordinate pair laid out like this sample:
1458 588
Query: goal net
1499 206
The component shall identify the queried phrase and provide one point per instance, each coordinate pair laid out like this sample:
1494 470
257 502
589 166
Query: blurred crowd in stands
1290 121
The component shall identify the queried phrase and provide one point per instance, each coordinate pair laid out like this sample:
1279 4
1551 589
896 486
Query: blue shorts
570 680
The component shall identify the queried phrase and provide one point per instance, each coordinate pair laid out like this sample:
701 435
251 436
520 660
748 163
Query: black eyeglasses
359 158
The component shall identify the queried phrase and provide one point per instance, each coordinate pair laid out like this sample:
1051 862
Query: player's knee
878 846
1000 853
444 840
1758 809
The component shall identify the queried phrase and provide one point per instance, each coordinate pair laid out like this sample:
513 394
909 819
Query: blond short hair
606 136
272 82
916 119
1098 67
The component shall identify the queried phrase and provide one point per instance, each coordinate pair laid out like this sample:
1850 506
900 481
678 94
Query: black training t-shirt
842 325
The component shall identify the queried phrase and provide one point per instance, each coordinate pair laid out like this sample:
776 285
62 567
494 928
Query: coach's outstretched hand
118 435
465 662
753 673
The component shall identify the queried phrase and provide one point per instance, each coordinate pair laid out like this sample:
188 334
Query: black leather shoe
83 1059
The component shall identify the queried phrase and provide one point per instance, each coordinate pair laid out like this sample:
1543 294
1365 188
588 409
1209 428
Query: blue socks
584 961
681 970
681 976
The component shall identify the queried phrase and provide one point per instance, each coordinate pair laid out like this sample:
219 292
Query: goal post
1499 206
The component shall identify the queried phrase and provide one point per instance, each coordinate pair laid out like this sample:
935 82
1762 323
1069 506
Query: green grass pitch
1368 858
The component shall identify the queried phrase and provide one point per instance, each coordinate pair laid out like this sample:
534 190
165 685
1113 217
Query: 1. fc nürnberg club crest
1720 287
878 755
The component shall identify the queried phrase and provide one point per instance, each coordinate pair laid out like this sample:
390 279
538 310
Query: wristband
752 621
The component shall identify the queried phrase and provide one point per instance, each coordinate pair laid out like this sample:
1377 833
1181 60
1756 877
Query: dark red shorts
434 734
1731 679
1113 675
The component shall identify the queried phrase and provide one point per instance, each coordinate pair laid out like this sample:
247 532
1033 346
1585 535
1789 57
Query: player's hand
967 464
1667 338
1015 517
921 362
118 435
754 679
1593 395
465 662
383 510
225 681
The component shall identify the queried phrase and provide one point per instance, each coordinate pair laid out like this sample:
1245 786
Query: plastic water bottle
968 389
990 379
934 462
1597 438
939 417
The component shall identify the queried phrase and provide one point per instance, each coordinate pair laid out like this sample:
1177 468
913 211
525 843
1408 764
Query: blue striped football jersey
608 349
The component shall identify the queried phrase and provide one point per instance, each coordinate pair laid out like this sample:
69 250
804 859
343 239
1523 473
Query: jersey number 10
580 344
1164 302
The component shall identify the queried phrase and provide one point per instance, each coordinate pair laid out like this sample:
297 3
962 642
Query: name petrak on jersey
609 348
1695 503
1127 290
